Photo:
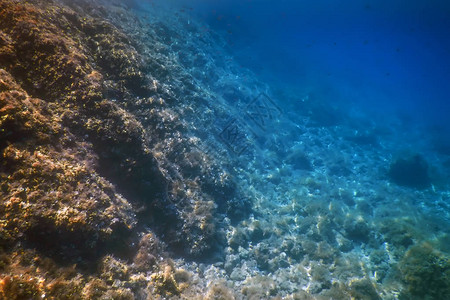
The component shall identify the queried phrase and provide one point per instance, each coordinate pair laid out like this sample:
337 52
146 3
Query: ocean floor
139 160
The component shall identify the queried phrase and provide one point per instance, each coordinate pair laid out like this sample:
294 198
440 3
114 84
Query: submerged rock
81 176
54 197
128 171
426 272
411 172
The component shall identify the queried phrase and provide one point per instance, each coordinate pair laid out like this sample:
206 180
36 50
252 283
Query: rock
426 272
411 171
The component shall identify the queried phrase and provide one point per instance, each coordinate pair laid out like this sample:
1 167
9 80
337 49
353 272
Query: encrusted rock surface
117 180
92 158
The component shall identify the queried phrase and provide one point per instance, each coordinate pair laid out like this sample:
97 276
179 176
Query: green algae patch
425 272
364 290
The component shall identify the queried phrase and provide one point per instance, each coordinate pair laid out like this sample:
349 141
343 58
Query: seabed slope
140 161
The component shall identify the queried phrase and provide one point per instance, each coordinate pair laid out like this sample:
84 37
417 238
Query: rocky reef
95 157
134 165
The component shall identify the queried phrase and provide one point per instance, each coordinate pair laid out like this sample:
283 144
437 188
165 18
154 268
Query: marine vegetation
140 160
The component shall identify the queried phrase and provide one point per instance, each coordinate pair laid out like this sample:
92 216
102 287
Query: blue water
383 57
351 131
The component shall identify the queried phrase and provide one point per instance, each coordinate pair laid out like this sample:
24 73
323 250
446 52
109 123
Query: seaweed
426 273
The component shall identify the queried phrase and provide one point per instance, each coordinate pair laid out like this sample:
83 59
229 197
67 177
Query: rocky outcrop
97 153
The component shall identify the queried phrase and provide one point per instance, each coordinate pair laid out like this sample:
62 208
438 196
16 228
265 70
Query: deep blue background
380 56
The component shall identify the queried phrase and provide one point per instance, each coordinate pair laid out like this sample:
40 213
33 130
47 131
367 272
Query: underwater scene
218 150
